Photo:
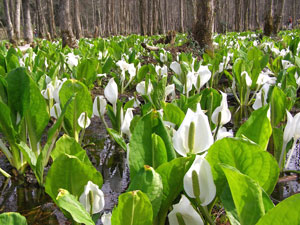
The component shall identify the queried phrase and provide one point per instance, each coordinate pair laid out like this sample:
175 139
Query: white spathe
141 88
187 211
83 120
125 128
175 66
106 218
204 74
99 106
98 201
205 181
203 138
223 111
111 91
55 111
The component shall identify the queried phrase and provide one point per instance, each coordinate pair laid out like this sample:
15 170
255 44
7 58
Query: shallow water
23 194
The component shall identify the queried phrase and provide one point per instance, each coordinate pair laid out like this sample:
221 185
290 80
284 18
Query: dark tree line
88 18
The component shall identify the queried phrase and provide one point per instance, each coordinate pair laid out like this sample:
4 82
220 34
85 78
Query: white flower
205 180
190 80
170 89
222 133
106 218
83 120
292 128
163 57
222 111
125 128
286 64
141 88
99 106
55 111
186 211
261 97
111 91
98 198
48 93
200 138
247 77
72 59
203 75
124 66
265 78
175 66
161 71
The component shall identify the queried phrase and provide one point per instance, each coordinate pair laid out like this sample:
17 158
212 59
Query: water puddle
23 194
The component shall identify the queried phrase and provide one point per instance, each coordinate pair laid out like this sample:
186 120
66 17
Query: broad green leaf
108 65
173 114
286 212
87 71
150 183
246 194
82 103
158 93
70 173
248 158
31 104
134 208
69 146
69 203
172 174
159 152
141 74
11 218
257 128
140 153
118 138
278 106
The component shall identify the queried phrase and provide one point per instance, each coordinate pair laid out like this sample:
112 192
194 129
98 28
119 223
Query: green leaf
87 71
69 203
69 146
246 194
141 74
173 114
70 173
286 212
158 93
134 208
172 174
141 150
257 128
278 106
81 103
118 138
108 65
247 157
150 183
11 218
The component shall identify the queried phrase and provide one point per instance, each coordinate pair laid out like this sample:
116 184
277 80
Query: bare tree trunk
42 30
28 34
246 15
162 28
11 11
181 16
17 18
278 15
52 26
237 15
108 18
143 17
194 12
268 26
257 25
9 26
155 16
77 24
166 17
150 19
205 24
65 25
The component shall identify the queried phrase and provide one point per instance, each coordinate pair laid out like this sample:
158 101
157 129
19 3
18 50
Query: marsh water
22 194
